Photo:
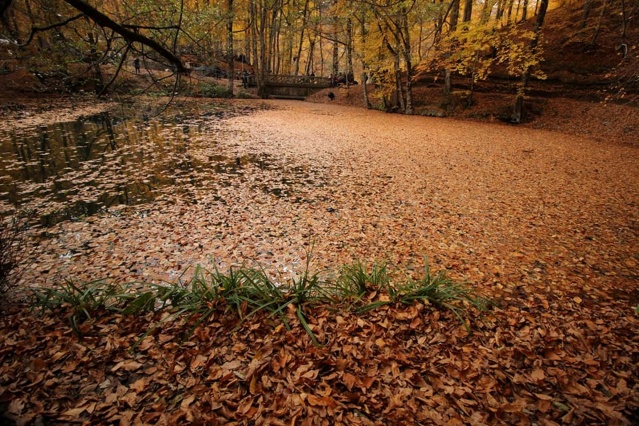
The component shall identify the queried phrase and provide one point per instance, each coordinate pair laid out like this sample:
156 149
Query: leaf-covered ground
543 223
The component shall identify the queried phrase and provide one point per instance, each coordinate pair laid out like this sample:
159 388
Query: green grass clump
83 299
246 291
355 280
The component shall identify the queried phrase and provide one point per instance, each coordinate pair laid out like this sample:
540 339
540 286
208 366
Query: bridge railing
297 81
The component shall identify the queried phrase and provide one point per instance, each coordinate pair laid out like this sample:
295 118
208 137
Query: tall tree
230 54
518 108
301 43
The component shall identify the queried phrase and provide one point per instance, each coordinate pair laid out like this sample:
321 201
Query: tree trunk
229 48
95 63
349 52
321 43
398 83
454 15
468 10
524 11
335 62
447 85
510 10
486 11
260 22
586 13
310 63
471 91
405 32
593 42
367 101
518 109
299 48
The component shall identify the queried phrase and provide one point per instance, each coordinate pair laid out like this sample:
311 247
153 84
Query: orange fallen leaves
561 346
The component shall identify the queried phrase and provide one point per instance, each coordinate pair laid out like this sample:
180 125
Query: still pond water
64 171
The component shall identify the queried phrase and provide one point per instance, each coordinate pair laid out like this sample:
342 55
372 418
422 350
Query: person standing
136 64
245 79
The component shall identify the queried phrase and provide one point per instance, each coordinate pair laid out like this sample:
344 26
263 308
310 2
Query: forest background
396 45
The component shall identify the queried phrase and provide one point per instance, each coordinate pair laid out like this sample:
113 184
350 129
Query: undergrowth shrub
214 91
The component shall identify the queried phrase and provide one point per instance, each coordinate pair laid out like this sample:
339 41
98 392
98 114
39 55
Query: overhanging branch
131 36
35 30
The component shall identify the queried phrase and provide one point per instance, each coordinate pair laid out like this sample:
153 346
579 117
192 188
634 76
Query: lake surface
69 170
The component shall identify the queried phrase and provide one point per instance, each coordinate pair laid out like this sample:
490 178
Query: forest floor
542 219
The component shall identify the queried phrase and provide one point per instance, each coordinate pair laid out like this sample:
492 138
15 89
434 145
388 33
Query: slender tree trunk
501 6
624 22
229 47
286 67
510 10
454 15
273 37
247 43
518 109
447 83
263 58
349 52
310 63
468 10
299 48
524 11
335 63
95 63
321 43
253 30
408 60
421 37
586 13
276 33
439 26
486 11
367 101
593 42
399 86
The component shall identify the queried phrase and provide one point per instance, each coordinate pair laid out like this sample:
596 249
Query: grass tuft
246 291
83 299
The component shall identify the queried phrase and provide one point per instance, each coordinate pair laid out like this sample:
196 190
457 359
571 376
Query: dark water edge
69 170
66 171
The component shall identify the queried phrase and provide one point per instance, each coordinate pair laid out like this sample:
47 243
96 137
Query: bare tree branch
35 30
131 36
117 72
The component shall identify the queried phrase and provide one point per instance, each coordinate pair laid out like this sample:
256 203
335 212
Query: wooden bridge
293 86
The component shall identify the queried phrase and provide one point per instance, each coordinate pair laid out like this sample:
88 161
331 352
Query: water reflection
66 170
